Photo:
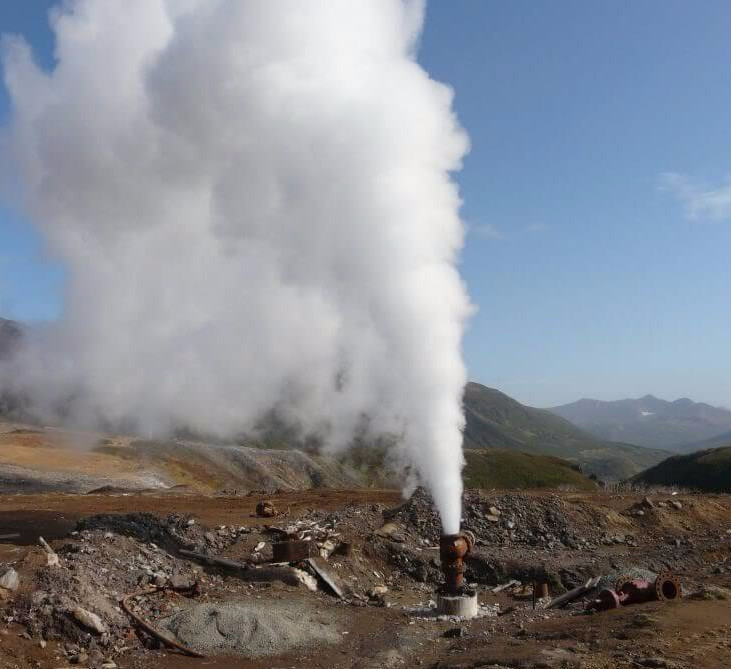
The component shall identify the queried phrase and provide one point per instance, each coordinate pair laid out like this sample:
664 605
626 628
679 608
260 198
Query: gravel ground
253 629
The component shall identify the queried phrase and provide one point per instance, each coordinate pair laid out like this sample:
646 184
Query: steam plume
254 204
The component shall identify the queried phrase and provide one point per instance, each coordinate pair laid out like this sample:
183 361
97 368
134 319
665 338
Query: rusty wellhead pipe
452 550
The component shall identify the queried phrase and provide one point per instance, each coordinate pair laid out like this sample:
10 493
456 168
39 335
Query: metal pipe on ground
628 591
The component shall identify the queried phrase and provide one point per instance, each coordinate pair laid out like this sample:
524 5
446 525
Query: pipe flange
471 539
622 581
667 586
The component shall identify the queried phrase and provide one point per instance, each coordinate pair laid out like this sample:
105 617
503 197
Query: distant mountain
723 439
648 421
708 471
494 420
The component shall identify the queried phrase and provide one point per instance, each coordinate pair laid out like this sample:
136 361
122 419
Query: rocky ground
381 554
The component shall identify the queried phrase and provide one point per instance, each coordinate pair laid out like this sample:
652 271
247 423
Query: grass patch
498 468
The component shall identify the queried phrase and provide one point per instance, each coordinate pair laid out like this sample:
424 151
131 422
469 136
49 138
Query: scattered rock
709 592
10 580
654 662
676 505
89 619
266 509
388 530
455 633
378 591
252 630
181 582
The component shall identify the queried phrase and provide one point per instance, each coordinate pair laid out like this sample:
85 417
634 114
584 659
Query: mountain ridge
648 421
495 420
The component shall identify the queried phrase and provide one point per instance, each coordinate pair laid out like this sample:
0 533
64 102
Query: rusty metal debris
571 595
319 566
248 572
344 548
452 550
505 586
151 629
291 551
540 590
628 591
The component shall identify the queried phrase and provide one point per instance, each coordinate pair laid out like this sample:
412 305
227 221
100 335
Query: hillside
44 460
648 421
10 333
706 471
723 439
497 468
494 420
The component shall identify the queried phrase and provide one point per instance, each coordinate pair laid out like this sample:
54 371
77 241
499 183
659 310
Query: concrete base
463 606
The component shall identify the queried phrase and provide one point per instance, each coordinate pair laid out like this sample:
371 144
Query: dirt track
683 634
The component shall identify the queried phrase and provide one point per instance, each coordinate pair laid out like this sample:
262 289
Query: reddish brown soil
683 634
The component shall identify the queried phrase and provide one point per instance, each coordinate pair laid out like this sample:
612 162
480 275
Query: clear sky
597 191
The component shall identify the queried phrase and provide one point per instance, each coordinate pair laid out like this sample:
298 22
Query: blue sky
597 193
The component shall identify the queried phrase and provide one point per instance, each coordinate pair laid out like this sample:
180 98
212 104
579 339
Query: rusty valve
452 549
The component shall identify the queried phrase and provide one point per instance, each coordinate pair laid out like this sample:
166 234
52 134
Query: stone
492 519
266 509
10 580
494 511
647 502
654 662
455 633
89 619
388 530
676 505
181 582
378 591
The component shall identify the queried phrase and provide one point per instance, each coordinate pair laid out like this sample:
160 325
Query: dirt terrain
110 545
50 459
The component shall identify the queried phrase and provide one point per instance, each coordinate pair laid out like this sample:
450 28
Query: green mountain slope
499 468
494 420
709 471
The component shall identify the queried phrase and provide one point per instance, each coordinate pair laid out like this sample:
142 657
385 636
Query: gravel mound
249 629
511 519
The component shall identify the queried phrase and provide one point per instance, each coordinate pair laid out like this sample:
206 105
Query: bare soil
561 538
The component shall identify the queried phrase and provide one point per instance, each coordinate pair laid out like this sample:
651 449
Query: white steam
254 204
